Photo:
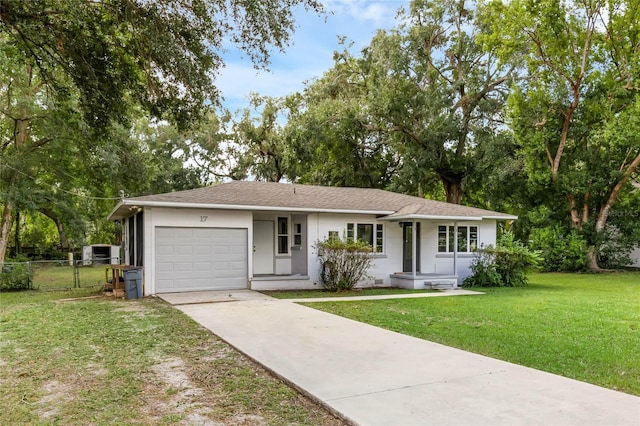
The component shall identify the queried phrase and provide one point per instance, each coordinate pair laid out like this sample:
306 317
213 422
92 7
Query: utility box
133 283
100 254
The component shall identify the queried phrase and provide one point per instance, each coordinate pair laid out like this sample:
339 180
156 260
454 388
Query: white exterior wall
442 263
189 218
319 225
282 264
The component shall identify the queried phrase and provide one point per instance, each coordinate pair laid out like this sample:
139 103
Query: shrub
561 251
343 263
503 266
15 276
614 249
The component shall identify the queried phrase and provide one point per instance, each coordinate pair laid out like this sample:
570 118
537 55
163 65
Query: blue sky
310 52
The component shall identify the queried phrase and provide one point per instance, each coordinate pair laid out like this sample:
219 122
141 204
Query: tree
161 54
438 95
111 60
419 101
575 116
259 141
330 133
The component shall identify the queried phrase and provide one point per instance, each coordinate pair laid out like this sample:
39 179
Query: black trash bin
133 283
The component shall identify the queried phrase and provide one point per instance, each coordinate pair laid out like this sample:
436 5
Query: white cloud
311 51
379 13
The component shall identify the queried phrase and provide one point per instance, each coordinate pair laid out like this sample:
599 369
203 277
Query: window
283 235
350 233
367 232
297 234
467 239
379 237
334 235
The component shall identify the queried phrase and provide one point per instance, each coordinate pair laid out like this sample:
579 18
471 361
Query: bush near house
505 265
344 263
561 251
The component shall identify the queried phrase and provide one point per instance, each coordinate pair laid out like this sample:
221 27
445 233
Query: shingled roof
246 195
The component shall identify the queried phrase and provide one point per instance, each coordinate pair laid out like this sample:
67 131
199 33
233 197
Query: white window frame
471 244
284 235
377 232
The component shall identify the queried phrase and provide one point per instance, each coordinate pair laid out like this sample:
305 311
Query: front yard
585 327
105 361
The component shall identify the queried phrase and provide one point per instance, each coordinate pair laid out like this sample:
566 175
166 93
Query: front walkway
373 376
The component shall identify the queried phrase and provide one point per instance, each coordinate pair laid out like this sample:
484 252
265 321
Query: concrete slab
377 377
218 296
442 293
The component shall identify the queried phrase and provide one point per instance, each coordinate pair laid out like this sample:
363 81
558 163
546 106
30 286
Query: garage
195 259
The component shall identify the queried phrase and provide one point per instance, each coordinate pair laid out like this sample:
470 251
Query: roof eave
173 204
501 217
429 217
114 211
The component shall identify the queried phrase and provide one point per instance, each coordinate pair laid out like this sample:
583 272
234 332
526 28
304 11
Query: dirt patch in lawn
105 361
55 394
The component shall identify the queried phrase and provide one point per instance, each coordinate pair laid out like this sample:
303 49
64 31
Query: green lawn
586 327
105 361
312 294
60 276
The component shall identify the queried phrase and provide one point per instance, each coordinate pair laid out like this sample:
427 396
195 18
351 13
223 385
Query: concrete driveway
372 376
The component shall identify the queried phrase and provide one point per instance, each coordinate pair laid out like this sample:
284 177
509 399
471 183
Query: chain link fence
52 275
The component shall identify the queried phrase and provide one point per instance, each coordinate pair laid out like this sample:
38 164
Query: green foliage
614 248
505 265
15 276
560 250
343 263
161 56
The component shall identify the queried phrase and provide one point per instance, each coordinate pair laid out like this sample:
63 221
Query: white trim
431 217
241 207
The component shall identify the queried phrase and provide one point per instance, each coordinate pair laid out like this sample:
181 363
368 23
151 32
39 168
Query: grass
60 276
107 361
586 327
311 294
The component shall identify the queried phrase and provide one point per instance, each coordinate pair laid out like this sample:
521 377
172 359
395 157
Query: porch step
441 284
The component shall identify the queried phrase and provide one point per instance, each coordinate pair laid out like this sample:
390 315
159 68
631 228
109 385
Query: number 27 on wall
203 218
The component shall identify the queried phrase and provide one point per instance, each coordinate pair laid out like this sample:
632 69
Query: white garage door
193 259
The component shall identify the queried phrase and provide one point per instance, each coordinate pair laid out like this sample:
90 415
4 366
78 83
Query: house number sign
203 218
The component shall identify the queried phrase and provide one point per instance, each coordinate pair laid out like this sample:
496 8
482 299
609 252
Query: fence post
76 275
30 274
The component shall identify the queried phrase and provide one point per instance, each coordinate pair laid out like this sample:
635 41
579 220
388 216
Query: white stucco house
261 235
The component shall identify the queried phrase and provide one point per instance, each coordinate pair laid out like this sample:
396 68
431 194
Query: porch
420 280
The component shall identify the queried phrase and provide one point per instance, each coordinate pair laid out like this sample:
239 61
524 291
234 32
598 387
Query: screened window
467 239
283 235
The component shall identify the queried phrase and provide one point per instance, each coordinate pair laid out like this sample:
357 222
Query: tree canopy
161 54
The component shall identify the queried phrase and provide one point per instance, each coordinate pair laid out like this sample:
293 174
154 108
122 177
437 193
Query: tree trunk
592 257
605 209
5 227
453 190
64 241
16 236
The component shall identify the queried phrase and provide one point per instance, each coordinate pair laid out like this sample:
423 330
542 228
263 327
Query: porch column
413 248
455 248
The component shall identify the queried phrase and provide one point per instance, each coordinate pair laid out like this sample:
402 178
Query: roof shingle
315 198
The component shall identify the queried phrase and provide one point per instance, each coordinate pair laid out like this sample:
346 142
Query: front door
407 247
263 247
